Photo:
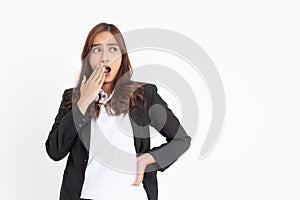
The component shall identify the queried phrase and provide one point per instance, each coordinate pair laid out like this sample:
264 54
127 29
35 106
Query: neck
107 88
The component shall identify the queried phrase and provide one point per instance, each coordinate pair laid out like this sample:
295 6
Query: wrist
149 158
82 106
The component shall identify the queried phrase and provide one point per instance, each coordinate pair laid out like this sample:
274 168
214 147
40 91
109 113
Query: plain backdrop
254 45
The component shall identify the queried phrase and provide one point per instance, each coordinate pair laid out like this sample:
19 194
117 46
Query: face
106 50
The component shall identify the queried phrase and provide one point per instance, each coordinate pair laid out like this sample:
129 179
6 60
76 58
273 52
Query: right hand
90 89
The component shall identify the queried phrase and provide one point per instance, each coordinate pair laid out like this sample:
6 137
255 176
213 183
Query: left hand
142 162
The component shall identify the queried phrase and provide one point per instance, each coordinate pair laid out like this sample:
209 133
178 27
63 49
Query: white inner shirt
111 167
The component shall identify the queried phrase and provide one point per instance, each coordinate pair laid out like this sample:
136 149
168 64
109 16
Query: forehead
104 37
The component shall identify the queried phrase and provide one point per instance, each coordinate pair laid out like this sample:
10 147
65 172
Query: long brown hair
126 91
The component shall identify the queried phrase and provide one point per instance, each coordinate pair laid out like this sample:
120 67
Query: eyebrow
99 44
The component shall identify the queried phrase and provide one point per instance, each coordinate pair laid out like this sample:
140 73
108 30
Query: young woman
105 91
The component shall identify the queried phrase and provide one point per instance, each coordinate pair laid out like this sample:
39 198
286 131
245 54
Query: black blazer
70 134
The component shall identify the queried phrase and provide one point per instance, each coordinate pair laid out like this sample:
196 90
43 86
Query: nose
104 60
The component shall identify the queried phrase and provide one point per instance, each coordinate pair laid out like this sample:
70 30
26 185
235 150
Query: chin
107 80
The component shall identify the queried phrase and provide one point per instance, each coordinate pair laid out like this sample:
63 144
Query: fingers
95 72
98 72
92 87
139 179
101 81
83 81
101 76
141 166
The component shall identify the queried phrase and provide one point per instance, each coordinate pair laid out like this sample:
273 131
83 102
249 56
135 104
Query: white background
254 45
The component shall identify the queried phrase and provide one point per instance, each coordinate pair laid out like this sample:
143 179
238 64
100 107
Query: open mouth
107 69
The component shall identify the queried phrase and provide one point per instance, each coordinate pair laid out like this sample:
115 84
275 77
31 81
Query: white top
111 167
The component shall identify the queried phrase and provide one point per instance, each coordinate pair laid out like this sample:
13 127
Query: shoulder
68 90
67 95
148 87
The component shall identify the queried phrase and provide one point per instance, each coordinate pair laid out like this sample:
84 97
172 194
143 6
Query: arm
64 131
167 124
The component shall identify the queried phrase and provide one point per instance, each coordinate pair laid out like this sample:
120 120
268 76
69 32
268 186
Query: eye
114 49
97 50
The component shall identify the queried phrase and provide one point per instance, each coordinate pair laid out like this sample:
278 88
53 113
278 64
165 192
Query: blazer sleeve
166 123
65 128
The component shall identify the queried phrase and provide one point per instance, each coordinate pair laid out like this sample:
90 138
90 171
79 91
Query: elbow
187 143
184 139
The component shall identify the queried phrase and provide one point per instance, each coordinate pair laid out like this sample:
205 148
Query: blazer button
83 119
79 125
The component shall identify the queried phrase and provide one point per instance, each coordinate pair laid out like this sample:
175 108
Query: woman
105 91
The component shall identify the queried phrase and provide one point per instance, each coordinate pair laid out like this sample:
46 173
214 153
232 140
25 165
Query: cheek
93 62
117 63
